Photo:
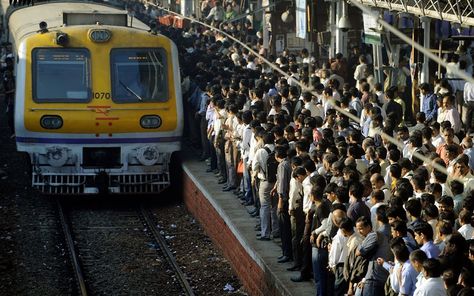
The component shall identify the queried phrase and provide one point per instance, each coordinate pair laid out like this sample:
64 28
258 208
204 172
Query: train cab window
138 75
61 75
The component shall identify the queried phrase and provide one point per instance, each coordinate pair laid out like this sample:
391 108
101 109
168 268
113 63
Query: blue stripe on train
96 141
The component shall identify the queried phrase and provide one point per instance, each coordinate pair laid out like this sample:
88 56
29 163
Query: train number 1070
101 95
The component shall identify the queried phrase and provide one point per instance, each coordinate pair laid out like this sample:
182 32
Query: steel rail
145 213
65 223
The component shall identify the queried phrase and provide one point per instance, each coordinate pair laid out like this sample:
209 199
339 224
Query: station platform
231 228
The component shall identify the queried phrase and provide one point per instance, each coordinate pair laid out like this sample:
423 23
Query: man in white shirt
433 284
245 151
338 251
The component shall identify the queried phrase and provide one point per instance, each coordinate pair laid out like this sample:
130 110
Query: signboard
279 43
301 19
294 43
371 27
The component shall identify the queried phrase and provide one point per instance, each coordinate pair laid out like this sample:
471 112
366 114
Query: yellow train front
98 104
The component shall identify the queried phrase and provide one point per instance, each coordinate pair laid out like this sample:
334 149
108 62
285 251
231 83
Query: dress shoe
247 203
253 215
252 210
294 268
279 257
257 228
263 238
222 181
209 170
298 279
228 189
215 171
284 259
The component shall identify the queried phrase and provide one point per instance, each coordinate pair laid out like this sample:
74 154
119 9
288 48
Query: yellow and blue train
98 104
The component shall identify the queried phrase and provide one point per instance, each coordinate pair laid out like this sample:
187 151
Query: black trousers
285 231
297 229
340 284
306 263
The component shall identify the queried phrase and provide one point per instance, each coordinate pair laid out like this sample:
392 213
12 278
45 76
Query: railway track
120 252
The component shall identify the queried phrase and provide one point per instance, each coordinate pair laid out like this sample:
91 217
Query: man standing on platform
281 189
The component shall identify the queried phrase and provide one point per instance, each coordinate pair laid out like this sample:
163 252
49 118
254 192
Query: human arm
368 245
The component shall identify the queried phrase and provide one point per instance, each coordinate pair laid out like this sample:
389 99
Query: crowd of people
355 212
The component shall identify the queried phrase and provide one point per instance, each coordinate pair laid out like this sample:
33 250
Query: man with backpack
265 166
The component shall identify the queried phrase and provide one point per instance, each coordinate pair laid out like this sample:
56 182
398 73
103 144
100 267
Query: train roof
25 20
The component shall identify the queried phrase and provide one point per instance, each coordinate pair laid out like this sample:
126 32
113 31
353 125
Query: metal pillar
378 58
378 71
425 70
332 28
338 30
341 35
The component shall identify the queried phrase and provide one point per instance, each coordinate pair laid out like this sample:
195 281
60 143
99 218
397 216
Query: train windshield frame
139 75
61 75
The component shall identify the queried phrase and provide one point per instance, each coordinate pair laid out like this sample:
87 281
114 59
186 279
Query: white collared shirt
339 249
307 204
431 287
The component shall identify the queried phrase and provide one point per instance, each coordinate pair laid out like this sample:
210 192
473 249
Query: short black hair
425 229
432 268
347 225
400 226
400 251
365 221
357 189
418 256
413 207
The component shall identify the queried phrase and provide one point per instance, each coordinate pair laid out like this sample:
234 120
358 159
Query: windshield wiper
130 90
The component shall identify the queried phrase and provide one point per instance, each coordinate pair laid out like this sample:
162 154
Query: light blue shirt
408 279
431 250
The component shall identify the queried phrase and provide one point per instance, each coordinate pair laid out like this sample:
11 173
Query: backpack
270 171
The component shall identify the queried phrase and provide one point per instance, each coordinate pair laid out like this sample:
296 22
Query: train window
139 75
61 75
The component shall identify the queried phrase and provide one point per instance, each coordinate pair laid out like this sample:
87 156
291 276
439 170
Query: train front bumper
100 183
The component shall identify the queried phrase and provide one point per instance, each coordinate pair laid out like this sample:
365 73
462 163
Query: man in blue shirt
428 102
424 237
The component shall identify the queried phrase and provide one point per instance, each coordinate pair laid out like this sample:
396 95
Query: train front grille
65 184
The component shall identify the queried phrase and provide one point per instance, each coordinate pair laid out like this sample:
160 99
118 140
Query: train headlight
51 122
148 155
57 156
62 39
150 121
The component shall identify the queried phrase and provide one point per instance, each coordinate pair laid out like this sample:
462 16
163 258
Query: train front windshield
138 75
61 75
